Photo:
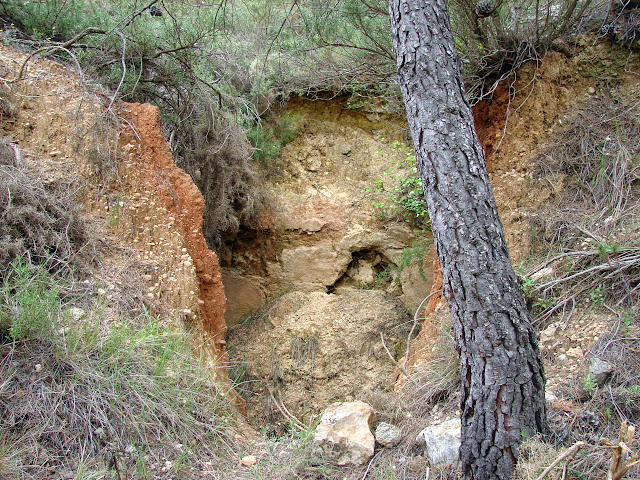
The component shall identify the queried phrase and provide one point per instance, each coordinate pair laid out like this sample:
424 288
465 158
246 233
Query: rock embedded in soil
599 371
442 441
344 434
388 435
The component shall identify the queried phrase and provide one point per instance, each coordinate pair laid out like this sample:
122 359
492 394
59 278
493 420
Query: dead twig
415 323
49 49
124 69
401 367
568 455
622 458
283 410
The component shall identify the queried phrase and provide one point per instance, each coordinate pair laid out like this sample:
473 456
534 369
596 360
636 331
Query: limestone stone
344 434
442 441
548 333
76 313
313 164
305 224
243 296
362 273
388 435
600 370
314 267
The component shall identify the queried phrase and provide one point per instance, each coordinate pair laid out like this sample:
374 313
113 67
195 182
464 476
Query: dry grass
7 108
130 404
217 155
590 232
95 136
436 382
598 152
587 257
38 220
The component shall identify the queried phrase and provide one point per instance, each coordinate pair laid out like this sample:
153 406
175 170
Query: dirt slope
144 211
321 183
332 264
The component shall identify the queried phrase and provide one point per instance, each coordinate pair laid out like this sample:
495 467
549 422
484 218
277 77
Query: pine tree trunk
500 365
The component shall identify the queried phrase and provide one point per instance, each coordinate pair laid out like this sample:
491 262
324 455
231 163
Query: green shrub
404 196
415 252
269 138
30 304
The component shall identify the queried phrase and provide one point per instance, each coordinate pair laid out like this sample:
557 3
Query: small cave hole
369 269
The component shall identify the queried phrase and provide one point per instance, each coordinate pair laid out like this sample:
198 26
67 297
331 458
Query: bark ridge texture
501 368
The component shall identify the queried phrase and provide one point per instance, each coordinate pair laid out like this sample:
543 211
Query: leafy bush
413 253
404 197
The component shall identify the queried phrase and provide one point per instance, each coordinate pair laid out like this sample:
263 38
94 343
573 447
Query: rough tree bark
502 373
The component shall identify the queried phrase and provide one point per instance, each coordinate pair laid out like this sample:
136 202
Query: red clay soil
179 195
490 116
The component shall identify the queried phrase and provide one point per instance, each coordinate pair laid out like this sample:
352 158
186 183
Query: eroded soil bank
323 297
144 214
343 277
336 290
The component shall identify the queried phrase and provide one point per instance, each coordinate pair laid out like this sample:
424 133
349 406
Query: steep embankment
343 276
339 276
525 114
333 242
165 214
144 212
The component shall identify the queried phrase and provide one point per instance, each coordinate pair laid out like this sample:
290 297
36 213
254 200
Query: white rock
442 441
600 370
313 164
316 266
542 274
548 333
388 435
362 273
249 460
344 434
76 313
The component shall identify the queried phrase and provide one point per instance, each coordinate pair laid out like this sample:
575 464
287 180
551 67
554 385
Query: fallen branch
568 455
415 323
49 49
285 412
401 367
